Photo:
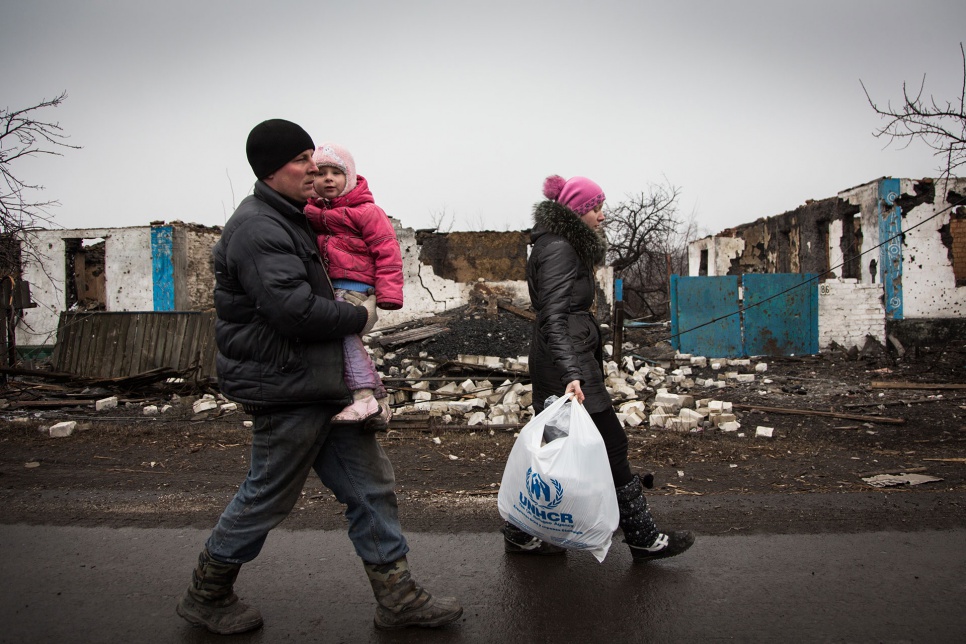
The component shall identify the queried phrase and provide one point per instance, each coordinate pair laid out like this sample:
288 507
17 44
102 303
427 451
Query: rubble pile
493 391
469 368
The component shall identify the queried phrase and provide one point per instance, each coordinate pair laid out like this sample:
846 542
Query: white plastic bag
561 492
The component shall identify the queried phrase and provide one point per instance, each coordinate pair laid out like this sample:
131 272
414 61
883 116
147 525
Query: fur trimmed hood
556 219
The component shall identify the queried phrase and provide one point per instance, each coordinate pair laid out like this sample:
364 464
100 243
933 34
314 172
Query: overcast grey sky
749 107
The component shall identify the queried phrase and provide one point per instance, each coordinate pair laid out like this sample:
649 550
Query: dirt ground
124 469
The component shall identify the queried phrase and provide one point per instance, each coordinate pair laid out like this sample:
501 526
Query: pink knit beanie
333 154
580 194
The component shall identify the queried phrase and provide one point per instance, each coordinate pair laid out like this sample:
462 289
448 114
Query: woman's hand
574 388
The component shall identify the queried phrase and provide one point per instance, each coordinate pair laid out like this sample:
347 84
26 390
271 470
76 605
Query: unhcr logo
540 501
537 489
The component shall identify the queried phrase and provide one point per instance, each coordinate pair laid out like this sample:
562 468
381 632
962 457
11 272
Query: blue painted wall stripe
162 267
890 254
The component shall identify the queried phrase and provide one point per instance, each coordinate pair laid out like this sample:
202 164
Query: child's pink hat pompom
552 186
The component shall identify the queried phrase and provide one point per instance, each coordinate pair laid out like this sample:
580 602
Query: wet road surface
63 584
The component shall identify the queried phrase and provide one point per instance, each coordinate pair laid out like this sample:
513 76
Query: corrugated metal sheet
120 344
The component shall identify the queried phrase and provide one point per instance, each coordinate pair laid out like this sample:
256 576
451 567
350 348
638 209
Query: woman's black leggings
615 439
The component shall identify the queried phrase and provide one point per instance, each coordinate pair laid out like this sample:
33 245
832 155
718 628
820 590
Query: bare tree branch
22 136
442 221
640 224
939 124
647 240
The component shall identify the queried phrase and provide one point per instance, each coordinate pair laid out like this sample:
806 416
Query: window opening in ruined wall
703 266
852 247
784 252
85 281
823 237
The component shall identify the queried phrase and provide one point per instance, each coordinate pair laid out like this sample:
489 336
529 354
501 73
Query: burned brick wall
469 256
954 238
796 241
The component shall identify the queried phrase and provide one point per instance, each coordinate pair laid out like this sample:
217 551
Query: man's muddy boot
640 533
403 602
211 602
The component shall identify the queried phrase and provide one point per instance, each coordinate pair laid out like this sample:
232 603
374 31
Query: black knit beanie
273 143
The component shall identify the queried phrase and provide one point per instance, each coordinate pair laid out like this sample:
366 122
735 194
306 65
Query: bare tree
442 221
647 242
23 135
940 124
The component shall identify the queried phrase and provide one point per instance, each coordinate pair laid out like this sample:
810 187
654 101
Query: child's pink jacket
357 242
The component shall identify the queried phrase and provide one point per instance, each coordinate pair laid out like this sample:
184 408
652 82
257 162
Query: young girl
566 351
361 253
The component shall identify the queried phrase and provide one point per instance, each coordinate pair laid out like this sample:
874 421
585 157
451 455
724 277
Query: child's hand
366 301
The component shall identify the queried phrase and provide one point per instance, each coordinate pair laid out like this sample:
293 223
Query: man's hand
366 300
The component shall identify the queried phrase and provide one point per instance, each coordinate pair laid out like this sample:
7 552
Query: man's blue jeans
285 446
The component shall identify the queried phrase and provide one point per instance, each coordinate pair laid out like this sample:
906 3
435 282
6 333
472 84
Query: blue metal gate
703 315
779 316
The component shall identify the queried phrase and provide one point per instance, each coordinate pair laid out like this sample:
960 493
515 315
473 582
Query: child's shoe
358 412
380 422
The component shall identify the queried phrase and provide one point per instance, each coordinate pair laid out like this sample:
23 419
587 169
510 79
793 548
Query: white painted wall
130 281
848 312
721 250
128 276
929 283
866 197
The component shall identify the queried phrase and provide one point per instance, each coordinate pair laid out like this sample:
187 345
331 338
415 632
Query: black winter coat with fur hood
566 342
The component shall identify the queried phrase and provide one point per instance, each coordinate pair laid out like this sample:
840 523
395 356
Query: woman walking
566 352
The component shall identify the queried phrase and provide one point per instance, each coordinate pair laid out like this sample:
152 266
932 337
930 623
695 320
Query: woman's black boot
640 533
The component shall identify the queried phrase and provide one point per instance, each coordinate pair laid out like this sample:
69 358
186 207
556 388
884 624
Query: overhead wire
819 276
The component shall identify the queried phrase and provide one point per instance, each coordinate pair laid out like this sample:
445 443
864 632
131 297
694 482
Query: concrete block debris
62 430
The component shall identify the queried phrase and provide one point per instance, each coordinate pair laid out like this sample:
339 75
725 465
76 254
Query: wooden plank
190 356
85 347
107 357
61 345
162 346
134 364
48 375
915 385
410 336
179 326
152 325
830 414
523 313
95 365
66 331
42 404
210 347
122 351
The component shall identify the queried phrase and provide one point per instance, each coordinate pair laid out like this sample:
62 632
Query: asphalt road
68 584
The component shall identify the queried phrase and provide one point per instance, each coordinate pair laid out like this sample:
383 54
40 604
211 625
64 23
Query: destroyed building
886 260
112 294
